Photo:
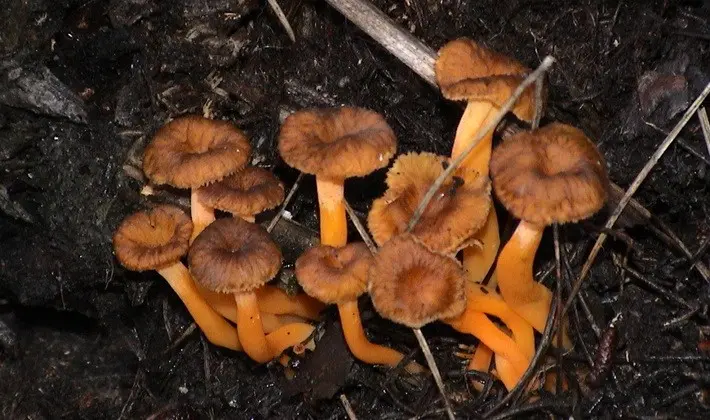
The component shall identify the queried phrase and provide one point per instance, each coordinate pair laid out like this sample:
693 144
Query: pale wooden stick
400 43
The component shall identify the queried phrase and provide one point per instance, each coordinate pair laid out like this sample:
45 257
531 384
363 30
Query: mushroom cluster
447 267
230 260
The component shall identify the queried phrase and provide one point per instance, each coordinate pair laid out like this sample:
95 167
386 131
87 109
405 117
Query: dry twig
348 408
632 189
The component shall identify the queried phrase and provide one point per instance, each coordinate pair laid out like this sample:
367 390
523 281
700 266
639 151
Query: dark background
83 85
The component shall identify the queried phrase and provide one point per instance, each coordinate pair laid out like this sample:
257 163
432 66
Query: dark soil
83 84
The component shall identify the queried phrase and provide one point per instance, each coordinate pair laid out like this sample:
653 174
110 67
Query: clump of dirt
84 84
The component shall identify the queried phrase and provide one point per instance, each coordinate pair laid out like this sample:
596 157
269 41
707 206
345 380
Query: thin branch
632 189
434 370
360 228
705 125
287 200
400 43
547 62
281 16
348 408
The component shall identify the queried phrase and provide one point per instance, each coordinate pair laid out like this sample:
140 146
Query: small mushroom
193 151
467 71
551 175
156 240
334 144
237 257
339 276
245 193
412 285
456 213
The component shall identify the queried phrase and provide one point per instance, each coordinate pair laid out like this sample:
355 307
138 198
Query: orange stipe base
333 221
250 329
217 330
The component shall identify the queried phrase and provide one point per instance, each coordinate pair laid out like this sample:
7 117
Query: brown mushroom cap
337 142
412 285
468 71
152 239
233 256
553 174
334 275
451 217
192 151
244 193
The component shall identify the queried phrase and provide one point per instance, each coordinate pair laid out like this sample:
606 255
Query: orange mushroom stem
288 336
276 301
478 260
216 329
250 329
489 302
272 301
358 343
202 215
477 324
477 115
481 362
333 221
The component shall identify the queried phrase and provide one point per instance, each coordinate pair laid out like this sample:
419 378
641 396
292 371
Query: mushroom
156 240
244 194
193 151
334 144
550 175
339 276
412 285
457 212
466 71
237 257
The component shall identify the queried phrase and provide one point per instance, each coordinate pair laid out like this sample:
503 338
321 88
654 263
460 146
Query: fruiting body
339 276
550 175
237 257
467 71
335 144
156 240
193 151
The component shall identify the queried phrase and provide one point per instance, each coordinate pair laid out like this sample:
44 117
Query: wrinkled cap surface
454 214
553 174
334 275
337 142
233 256
192 151
152 239
244 193
413 285
467 71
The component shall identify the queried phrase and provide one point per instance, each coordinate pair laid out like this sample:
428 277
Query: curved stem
477 324
250 329
288 336
530 299
202 215
489 302
274 300
223 304
217 330
476 115
359 345
478 261
333 222
481 361
506 372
